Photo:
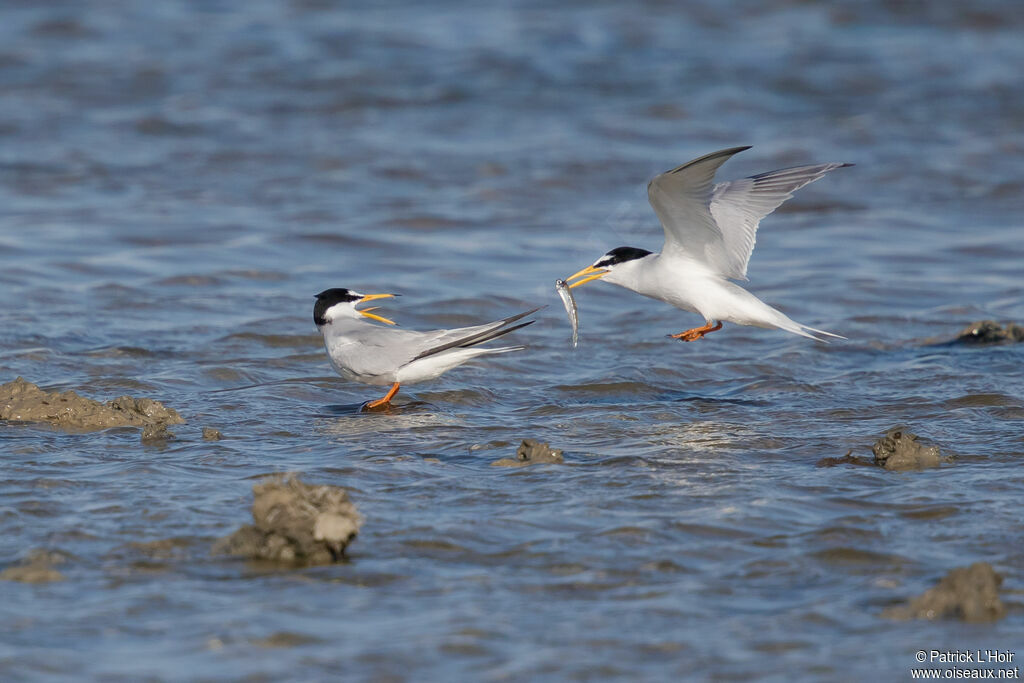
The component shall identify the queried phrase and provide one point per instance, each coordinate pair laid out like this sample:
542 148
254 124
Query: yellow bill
591 271
366 313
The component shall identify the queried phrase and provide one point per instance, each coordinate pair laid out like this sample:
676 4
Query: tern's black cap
621 255
328 298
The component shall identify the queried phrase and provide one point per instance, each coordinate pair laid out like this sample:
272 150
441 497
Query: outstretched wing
682 199
738 207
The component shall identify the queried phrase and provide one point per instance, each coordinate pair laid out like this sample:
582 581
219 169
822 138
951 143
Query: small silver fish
570 308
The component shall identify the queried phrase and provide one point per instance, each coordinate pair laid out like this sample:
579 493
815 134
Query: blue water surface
177 180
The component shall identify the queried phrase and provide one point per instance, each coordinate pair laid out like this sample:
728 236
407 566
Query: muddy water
177 183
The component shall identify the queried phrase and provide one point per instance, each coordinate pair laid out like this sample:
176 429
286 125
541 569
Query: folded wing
465 337
374 350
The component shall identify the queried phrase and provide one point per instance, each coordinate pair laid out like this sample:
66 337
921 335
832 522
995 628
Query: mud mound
900 451
990 332
848 459
38 567
531 452
211 434
295 523
897 451
157 434
25 402
968 593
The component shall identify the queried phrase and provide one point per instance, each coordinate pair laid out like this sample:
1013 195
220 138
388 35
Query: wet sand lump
968 593
38 567
25 402
990 332
899 450
531 452
295 523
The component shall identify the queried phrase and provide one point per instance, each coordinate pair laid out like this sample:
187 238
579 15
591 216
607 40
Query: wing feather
682 199
471 336
739 205
716 224
375 350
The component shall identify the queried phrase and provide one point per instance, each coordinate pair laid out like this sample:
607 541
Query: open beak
591 271
366 313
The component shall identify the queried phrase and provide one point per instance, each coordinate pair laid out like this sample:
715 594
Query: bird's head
617 267
339 303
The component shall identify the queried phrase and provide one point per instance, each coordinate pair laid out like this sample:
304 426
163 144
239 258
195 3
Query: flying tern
709 235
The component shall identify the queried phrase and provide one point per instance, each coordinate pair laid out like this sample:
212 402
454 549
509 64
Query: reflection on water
177 182
351 420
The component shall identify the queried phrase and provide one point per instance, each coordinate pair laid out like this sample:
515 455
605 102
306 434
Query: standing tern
371 354
709 235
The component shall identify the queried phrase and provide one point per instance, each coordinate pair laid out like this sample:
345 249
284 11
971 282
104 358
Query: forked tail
812 332
500 349
784 322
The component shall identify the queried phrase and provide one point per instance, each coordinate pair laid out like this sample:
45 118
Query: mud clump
295 523
967 593
848 459
531 452
991 332
211 434
156 434
163 549
25 402
285 639
38 567
899 451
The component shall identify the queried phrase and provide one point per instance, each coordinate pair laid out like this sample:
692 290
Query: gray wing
738 207
373 350
682 199
465 337
377 350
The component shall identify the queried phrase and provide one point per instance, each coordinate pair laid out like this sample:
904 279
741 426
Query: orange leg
697 332
383 401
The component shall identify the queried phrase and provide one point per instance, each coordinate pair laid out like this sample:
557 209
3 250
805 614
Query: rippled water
177 180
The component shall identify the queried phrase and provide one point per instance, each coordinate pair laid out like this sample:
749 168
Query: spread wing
682 199
716 224
739 205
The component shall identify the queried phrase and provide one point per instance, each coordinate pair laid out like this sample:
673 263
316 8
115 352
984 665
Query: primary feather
716 224
739 205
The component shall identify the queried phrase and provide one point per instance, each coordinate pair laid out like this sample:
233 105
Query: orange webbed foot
382 402
697 332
